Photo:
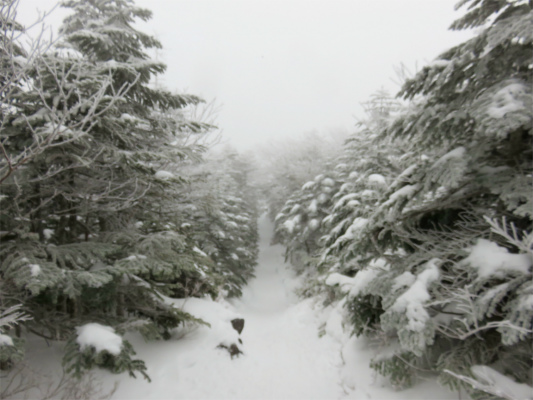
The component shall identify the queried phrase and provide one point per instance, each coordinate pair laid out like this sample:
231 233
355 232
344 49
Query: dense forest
422 227
107 201
113 199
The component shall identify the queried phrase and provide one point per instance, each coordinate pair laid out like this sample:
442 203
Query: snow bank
489 259
101 337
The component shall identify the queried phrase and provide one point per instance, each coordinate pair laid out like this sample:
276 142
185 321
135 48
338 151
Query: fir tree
91 233
438 258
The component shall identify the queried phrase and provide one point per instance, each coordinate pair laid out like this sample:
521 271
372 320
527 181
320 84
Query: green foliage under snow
427 231
103 209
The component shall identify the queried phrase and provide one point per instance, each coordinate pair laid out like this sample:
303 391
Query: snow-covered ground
284 357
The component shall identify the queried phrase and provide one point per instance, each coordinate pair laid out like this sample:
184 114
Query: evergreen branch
463 334
490 389
524 244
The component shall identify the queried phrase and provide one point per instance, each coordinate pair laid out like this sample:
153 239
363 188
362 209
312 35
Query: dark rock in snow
238 324
233 349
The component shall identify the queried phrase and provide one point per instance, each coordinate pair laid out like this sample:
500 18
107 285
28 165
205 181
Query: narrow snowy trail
284 357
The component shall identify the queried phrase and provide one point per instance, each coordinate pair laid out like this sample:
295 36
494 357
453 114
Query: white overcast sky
281 68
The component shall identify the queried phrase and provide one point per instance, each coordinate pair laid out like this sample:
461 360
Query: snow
322 198
526 302
328 182
404 280
502 385
362 279
439 63
308 186
48 233
458 152
164 175
490 259
289 225
198 251
412 300
38 116
284 357
357 225
403 177
342 201
295 209
406 191
506 100
135 257
35 269
378 179
52 129
344 282
20 60
101 337
128 117
5 340
313 207
314 224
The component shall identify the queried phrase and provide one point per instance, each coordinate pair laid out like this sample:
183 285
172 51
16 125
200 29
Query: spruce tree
438 258
465 189
90 233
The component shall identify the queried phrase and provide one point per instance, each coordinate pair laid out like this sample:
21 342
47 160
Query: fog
278 69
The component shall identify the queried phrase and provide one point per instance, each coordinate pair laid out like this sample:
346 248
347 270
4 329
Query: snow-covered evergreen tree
288 164
437 260
222 213
92 231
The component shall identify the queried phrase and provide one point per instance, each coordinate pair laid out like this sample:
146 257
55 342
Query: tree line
422 226
110 202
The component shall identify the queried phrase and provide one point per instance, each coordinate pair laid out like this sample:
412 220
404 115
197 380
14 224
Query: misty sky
283 68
